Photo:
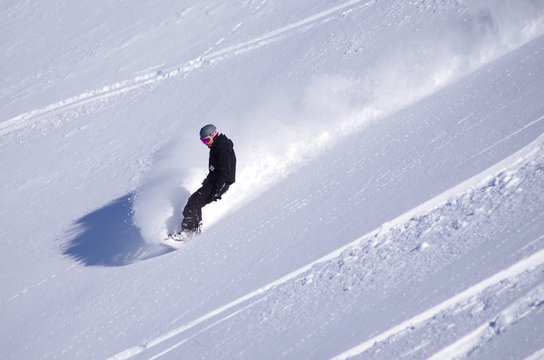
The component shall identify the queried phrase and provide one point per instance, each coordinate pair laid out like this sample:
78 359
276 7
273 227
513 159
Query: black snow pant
192 213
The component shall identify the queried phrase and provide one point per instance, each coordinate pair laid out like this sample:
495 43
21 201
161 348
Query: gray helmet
207 130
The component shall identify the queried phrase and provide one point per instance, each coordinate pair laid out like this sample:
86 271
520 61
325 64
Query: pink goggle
209 138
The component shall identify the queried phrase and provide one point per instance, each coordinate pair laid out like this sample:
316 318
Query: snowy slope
389 193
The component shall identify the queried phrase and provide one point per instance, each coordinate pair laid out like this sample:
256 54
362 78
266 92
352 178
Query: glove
218 191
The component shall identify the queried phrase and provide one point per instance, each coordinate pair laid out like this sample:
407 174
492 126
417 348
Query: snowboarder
222 172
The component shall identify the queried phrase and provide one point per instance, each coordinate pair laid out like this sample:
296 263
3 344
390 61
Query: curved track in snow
151 78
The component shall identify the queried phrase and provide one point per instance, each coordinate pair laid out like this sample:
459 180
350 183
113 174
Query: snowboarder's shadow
107 237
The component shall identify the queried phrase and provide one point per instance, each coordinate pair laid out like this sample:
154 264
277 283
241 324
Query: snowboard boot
186 235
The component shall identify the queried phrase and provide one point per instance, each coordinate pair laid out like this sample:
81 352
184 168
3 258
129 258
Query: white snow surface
389 201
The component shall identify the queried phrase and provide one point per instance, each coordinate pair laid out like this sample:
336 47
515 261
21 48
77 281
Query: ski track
26 290
539 355
155 77
519 309
534 122
522 307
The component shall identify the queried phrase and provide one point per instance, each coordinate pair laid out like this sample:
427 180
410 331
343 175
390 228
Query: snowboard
176 244
173 244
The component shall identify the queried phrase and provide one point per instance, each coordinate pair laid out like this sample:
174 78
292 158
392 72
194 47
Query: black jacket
222 163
